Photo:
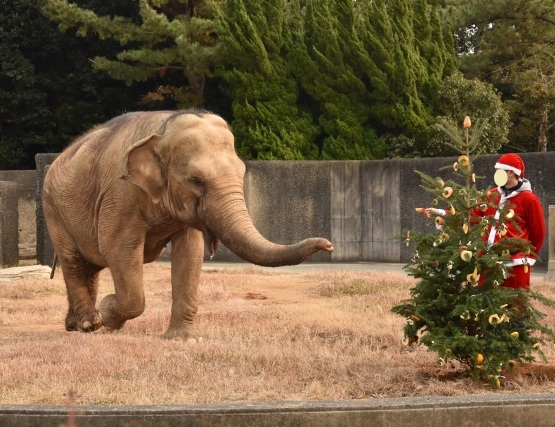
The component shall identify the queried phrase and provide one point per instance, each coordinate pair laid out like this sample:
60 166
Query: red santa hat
511 162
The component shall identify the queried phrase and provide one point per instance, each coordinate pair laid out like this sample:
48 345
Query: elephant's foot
87 322
110 318
186 334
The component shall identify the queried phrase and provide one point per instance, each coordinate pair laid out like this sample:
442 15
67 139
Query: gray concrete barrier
45 251
9 225
361 206
475 411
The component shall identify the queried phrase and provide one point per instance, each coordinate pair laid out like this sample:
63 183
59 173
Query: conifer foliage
459 308
268 125
173 41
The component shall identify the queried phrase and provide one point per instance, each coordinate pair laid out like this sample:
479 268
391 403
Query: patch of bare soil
282 289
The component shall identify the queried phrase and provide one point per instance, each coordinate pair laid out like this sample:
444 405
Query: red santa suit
528 216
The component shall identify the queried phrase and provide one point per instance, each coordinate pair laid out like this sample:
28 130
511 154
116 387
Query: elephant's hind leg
81 280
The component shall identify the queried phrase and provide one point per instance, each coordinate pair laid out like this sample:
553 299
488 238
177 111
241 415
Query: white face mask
500 177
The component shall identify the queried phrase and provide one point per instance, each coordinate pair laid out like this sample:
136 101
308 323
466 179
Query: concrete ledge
490 410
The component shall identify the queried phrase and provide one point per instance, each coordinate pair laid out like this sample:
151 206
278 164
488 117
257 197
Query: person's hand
428 212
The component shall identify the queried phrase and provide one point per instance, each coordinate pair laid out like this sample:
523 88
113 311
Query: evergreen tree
48 92
434 42
172 39
325 57
24 116
458 305
409 57
267 122
509 43
458 97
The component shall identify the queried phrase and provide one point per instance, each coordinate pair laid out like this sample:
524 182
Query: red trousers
519 279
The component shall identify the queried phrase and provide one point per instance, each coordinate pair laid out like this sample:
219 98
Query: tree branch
546 19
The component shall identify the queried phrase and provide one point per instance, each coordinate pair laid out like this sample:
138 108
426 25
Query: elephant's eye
196 181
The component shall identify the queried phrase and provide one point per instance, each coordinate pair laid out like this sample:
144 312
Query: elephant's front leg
128 301
187 255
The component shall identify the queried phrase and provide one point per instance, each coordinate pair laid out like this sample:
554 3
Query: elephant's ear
144 167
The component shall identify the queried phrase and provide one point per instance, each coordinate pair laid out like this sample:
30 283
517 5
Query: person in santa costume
529 223
528 216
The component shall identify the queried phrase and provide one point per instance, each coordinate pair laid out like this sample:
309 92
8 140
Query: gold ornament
467 123
466 255
494 319
473 277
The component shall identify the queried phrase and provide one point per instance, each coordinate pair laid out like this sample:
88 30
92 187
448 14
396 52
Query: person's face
500 177
505 177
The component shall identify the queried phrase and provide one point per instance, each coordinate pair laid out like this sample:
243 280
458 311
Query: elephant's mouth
210 240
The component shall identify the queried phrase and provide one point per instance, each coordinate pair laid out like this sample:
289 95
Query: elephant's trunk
225 213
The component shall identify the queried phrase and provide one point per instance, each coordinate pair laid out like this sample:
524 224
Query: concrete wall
25 182
359 205
9 235
45 251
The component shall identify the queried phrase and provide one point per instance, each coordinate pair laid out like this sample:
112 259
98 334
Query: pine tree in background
409 55
172 40
267 121
456 97
327 60
458 305
509 43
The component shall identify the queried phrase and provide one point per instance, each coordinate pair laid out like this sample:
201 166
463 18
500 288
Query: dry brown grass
266 337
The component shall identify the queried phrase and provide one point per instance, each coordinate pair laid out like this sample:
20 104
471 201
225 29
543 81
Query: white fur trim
521 261
508 168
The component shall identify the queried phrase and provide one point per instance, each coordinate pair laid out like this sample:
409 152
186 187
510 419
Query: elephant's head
191 168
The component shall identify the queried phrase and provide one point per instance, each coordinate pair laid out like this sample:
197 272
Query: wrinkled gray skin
121 192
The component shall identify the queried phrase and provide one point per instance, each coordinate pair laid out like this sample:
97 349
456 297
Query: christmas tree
458 307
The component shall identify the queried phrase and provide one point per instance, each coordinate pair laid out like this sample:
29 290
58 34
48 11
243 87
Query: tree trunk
542 136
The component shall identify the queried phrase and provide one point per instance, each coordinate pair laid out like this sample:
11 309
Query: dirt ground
239 314
287 290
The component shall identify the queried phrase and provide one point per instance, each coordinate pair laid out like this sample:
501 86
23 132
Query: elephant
121 192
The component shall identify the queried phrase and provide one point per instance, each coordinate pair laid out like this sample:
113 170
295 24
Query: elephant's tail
54 265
